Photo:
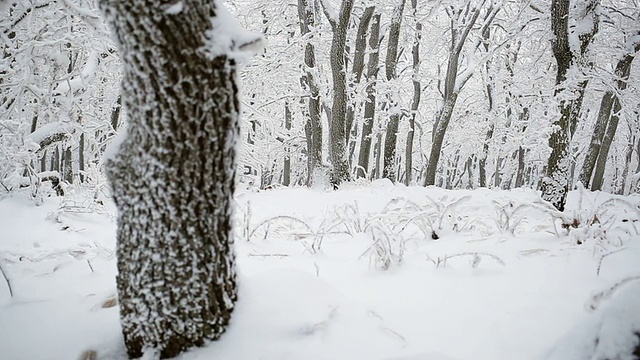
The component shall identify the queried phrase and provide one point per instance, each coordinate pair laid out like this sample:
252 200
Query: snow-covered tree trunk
555 184
462 20
370 105
603 122
357 70
338 144
173 176
391 60
313 125
415 102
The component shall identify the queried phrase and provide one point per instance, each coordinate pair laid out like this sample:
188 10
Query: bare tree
462 20
357 70
370 105
313 125
606 123
391 60
338 143
555 184
415 102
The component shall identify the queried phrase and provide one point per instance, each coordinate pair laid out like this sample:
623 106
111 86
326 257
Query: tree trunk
115 114
391 137
466 18
482 162
555 184
415 52
173 177
338 143
286 172
81 160
370 105
623 70
358 64
313 125
601 163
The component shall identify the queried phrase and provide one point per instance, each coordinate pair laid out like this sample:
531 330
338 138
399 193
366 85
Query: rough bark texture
555 184
313 125
173 177
338 142
370 105
391 60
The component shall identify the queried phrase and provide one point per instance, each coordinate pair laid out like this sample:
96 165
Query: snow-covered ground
352 274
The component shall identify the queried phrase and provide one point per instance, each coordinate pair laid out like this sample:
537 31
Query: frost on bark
391 60
415 102
462 21
337 126
555 184
607 121
313 125
357 70
173 177
370 104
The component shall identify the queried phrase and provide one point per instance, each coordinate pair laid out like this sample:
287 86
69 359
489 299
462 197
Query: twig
269 255
90 267
604 256
7 280
286 217
597 299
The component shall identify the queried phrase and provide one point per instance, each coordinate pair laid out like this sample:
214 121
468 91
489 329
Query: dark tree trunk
313 125
462 20
115 114
555 184
370 105
286 172
391 137
338 143
415 52
623 70
173 177
81 160
358 64
601 163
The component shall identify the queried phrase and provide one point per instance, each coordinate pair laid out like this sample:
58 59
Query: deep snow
351 274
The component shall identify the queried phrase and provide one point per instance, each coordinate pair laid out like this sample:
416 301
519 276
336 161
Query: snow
329 11
228 37
47 130
503 281
175 8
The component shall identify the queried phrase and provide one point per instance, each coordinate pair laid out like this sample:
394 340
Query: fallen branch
598 298
7 280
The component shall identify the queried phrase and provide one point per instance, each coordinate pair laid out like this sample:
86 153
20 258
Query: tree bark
623 70
286 172
391 60
173 177
337 126
415 52
370 105
555 184
358 64
466 18
313 125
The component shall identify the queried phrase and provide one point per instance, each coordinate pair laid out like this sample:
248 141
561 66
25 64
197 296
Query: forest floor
374 271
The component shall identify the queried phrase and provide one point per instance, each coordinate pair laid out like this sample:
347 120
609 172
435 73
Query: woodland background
477 79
